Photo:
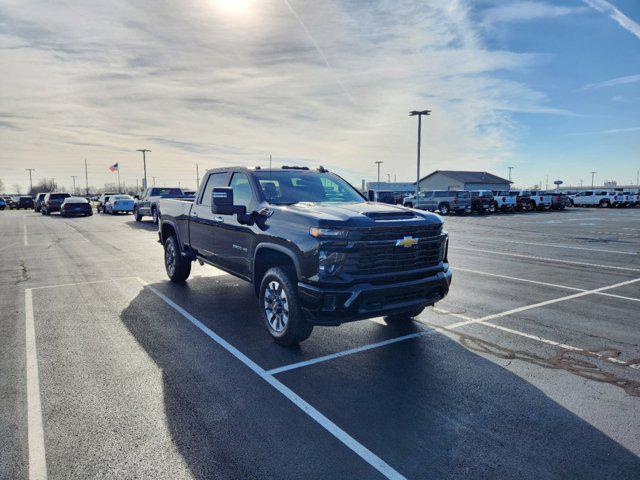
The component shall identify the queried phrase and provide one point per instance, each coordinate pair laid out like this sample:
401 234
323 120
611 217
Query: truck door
233 239
203 226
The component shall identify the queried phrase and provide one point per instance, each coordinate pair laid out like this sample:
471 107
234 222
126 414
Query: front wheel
280 308
408 205
444 209
178 268
404 317
605 204
154 215
138 215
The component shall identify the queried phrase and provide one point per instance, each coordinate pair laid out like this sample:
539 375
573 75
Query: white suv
590 198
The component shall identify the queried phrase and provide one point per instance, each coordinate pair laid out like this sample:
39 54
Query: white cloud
625 22
614 82
526 10
99 80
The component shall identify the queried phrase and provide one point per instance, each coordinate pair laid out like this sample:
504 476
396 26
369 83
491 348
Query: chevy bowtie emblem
406 242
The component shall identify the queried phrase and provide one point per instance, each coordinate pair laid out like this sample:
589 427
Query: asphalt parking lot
529 369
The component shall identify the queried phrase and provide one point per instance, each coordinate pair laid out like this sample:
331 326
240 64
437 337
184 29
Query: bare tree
1 185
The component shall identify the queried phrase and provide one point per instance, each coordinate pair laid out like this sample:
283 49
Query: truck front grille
374 258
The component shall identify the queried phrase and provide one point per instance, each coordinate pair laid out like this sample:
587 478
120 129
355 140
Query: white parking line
364 348
114 279
350 442
541 304
556 260
35 432
555 245
535 282
25 238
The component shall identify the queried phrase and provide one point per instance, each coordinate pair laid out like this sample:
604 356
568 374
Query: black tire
404 317
444 209
280 308
138 215
42 211
154 215
605 203
47 212
408 205
178 268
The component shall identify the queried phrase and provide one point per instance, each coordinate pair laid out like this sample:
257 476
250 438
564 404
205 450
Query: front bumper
334 306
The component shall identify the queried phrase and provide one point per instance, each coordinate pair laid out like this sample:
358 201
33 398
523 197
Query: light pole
593 175
144 163
30 179
378 163
154 181
74 183
510 168
420 113
86 176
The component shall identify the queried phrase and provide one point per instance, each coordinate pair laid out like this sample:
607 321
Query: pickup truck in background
445 201
147 205
504 201
314 249
539 200
482 201
593 198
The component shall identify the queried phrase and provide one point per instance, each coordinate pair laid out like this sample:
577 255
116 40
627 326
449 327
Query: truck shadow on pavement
147 225
429 407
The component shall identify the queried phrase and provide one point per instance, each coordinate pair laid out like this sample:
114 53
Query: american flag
114 167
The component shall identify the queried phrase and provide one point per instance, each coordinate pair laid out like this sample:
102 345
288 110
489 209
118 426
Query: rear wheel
444 209
404 317
178 268
605 203
280 308
154 215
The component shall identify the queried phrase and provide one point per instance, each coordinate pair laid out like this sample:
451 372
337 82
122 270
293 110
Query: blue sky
549 87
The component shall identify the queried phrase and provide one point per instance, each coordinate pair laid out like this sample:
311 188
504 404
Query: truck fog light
330 262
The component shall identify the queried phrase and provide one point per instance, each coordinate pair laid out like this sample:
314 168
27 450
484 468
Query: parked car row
488 201
604 199
485 201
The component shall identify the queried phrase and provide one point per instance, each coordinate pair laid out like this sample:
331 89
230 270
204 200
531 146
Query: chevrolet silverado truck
314 249
147 205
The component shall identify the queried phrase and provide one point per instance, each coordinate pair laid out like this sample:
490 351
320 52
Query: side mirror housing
222 202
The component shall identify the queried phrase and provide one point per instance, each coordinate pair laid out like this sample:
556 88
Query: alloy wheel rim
276 306
170 258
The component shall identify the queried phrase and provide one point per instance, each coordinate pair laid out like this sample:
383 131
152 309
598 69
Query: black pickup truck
316 251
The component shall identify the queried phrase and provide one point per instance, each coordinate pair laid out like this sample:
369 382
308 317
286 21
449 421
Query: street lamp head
418 112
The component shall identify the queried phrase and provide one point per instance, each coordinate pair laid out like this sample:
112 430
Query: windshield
123 197
288 187
58 196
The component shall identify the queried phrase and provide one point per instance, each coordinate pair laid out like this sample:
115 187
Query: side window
241 190
588 194
215 180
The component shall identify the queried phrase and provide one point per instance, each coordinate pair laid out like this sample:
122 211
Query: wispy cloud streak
613 82
625 22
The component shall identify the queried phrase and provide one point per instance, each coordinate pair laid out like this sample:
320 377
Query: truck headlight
330 262
327 232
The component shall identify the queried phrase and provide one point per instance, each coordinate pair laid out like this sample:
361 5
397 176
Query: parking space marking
556 260
541 304
350 442
25 238
555 245
344 353
114 279
35 432
633 364
536 282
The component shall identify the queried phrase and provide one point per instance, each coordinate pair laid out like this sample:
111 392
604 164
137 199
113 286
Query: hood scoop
382 216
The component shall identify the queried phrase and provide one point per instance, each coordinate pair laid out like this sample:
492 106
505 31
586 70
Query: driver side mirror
137 197
222 202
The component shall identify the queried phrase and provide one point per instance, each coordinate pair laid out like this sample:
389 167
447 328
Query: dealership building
463 180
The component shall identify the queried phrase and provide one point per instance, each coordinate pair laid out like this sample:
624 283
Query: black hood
362 214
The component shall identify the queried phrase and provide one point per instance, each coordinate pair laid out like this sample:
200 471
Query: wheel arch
268 255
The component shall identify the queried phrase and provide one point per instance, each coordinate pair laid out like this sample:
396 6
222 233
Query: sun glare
234 7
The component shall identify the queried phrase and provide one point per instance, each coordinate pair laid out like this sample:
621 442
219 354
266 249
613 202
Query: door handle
194 214
218 219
